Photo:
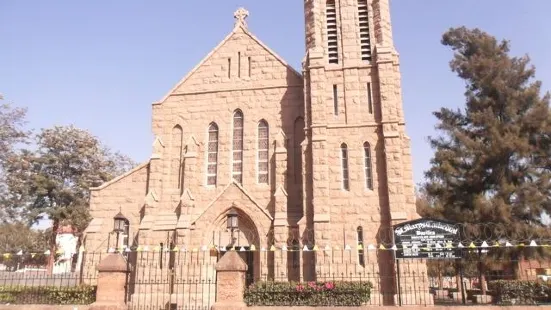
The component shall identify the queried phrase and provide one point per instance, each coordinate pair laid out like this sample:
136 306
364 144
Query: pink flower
300 288
329 285
312 284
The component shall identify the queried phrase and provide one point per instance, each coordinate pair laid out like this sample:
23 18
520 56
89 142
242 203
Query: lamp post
232 223
119 224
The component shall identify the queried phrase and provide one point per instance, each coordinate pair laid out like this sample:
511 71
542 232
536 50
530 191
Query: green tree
12 133
492 161
53 181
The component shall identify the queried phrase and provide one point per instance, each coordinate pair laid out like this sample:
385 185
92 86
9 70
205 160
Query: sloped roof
239 27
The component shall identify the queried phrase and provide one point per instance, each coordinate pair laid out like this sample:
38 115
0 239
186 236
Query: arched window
237 147
212 154
345 175
367 166
361 257
332 41
363 24
263 150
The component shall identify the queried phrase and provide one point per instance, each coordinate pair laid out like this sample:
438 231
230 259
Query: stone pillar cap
231 261
114 262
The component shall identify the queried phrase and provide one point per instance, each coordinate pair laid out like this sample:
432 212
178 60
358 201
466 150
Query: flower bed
308 294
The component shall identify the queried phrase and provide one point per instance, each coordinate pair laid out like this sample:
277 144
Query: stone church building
318 157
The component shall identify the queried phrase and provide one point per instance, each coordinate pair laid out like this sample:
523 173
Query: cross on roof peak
240 15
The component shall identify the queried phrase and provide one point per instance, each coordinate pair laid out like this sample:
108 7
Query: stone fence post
111 289
230 282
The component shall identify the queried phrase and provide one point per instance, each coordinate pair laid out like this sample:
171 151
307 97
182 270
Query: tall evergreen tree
492 161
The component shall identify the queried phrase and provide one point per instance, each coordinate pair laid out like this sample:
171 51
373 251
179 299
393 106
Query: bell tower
357 154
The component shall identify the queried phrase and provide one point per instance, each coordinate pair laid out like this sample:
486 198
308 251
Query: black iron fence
362 277
186 279
27 279
171 279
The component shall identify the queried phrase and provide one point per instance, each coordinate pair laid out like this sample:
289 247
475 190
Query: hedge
507 292
52 295
308 294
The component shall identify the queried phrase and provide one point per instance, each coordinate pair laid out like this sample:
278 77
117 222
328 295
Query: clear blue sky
100 64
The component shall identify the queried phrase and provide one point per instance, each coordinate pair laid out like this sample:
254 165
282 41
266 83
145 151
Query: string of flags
305 248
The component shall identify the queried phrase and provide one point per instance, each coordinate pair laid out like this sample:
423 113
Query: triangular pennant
315 248
263 249
20 253
449 245
232 248
284 248
508 244
371 247
242 249
437 246
60 251
146 248
156 249
176 249
394 248
222 248
7 255
533 243
496 244
382 247
47 252
139 248
194 250
167 249
521 244
81 249
347 247
183 249
204 248
305 248
272 248
472 246
336 248
360 247
111 250
460 245
327 248
484 244
33 255
252 248
127 250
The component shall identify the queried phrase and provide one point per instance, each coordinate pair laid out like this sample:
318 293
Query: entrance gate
171 279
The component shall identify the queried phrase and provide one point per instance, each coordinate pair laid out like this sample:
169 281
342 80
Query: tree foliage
492 161
12 133
19 237
53 181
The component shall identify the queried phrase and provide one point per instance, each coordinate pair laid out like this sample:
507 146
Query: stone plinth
111 293
230 282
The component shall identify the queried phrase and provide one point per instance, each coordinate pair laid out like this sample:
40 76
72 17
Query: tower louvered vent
332 42
365 44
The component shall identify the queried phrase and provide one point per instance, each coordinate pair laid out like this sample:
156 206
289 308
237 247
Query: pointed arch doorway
235 231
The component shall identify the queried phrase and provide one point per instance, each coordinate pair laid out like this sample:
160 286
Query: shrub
520 292
308 294
52 295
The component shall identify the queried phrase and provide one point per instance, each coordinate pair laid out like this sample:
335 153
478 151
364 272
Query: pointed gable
239 61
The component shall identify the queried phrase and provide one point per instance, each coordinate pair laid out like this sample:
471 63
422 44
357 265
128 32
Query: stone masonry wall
272 92
125 193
